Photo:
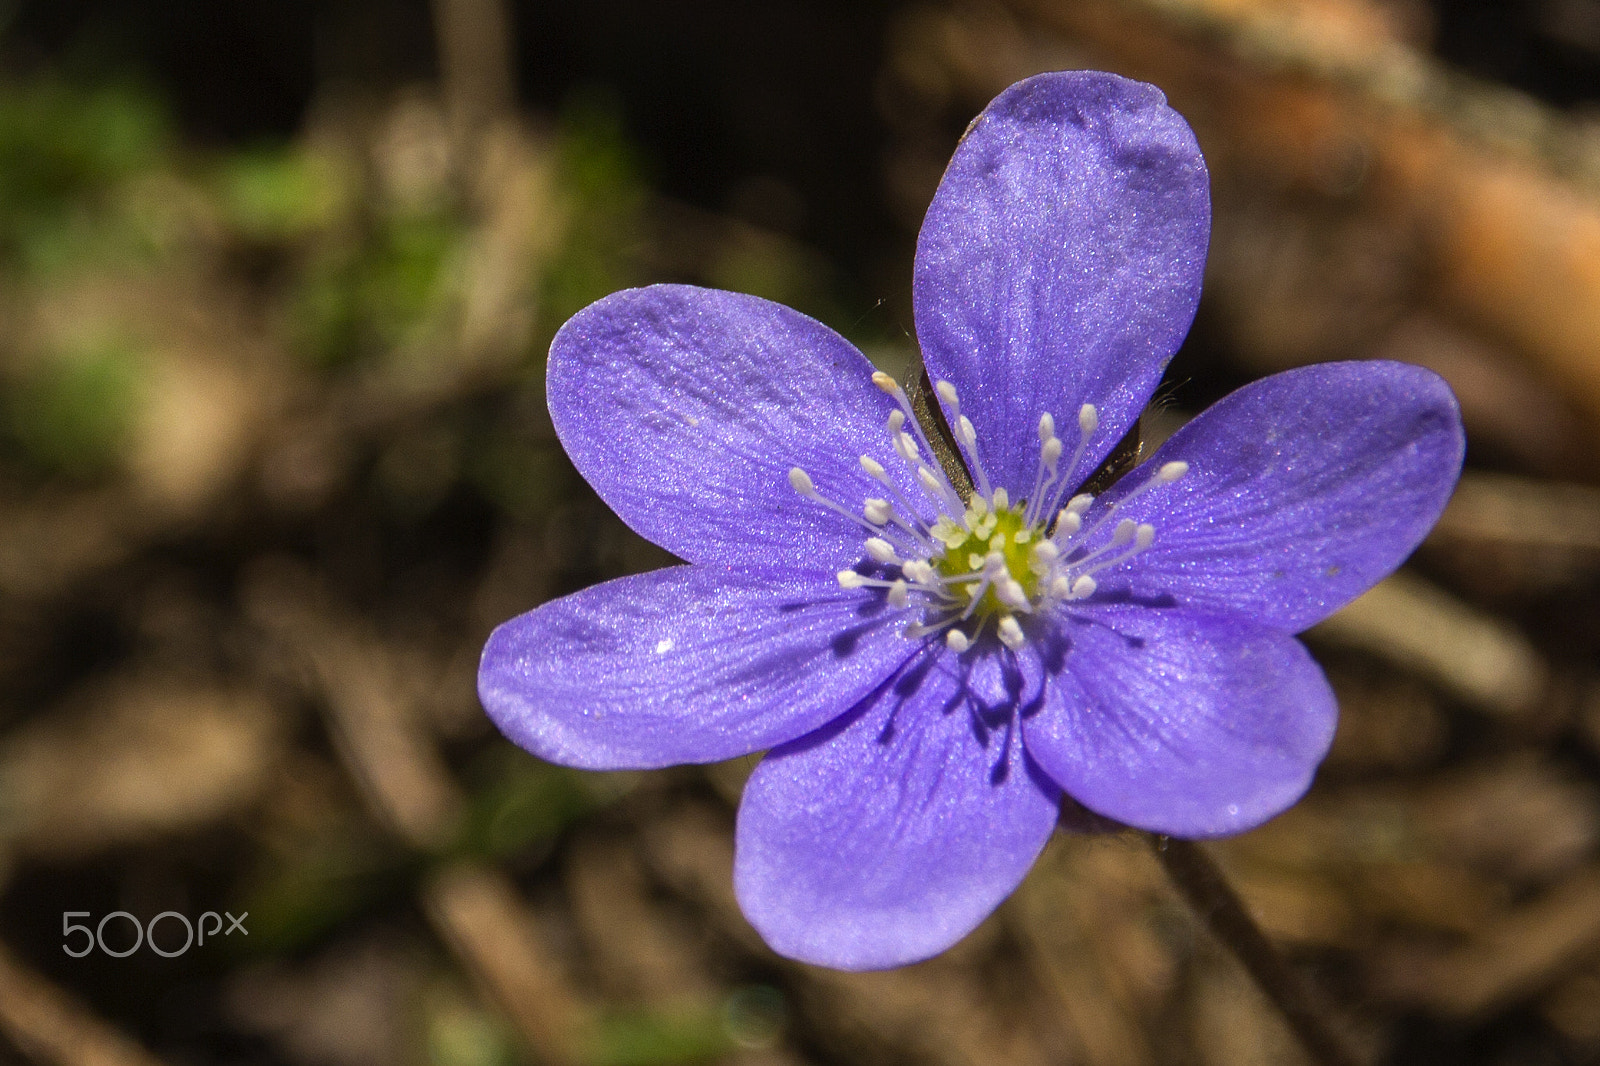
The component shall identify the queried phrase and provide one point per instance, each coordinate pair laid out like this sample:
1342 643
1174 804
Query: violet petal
685 408
1304 488
1179 722
1060 262
889 835
687 664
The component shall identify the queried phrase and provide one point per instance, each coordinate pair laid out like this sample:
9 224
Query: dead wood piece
133 759
638 950
383 738
54 1028
1515 956
1197 877
1419 626
479 914
1536 515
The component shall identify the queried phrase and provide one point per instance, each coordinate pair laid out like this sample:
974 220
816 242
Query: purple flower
932 674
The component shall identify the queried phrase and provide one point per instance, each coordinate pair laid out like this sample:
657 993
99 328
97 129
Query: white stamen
968 436
905 447
1088 419
917 528
882 551
1050 454
908 451
1010 592
1168 473
1057 561
1049 459
801 482
966 432
1064 476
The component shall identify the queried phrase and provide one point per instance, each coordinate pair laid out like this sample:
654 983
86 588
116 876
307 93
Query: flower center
984 564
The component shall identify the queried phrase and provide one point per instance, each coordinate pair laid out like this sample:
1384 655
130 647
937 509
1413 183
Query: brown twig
395 761
475 65
52 1027
1207 890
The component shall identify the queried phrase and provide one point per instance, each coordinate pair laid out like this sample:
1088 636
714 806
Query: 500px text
194 933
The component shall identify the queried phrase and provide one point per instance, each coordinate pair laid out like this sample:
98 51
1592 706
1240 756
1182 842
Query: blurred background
276 283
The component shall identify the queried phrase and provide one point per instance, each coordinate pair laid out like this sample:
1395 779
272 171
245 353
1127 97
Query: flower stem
1206 888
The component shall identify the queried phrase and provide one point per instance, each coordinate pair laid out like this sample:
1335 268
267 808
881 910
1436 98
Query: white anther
947 392
1172 471
878 512
1080 503
956 641
905 447
801 482
918 570
1042 555
966 431
885 382
1125 531
873 468
1002 499
1011 633
929 480
881 551
1061 588
1144 536
1047 428
1010 592
1050 453
994 564
1083 587
1068 523
896 420
899 594
849 579
1088 419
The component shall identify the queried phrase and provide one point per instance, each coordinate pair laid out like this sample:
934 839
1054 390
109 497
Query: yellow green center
984 528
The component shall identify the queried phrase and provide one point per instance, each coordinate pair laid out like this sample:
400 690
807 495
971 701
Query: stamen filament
892 387
876 472
1168 473
1088 422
